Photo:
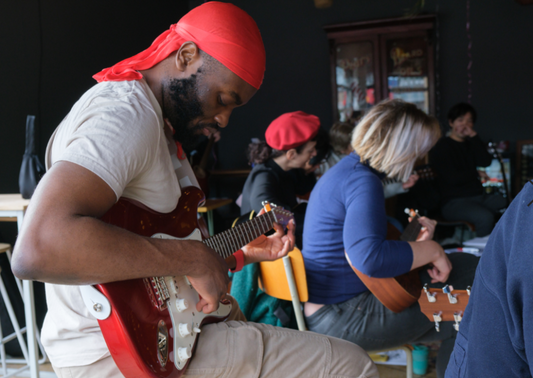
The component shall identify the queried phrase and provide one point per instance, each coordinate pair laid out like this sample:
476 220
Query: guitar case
31 169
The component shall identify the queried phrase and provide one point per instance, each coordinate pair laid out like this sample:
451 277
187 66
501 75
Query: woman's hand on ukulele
428 228
269 248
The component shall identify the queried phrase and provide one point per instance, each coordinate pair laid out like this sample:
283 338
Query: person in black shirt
455 159
278 173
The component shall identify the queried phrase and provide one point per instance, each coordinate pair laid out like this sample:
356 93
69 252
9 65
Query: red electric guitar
151 325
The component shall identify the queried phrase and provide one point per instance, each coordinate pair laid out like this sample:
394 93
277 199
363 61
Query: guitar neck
230 241
412 230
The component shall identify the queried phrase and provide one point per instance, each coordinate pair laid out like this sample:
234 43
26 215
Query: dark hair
460 110
259 151
340 136
322 147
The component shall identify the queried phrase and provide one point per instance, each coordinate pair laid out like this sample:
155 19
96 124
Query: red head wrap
222 30
291 130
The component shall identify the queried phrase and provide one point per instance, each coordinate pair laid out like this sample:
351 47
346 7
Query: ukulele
397 293
444 305
151 325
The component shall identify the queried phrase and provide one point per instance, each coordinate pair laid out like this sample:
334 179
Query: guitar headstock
443 305
283 217
411 212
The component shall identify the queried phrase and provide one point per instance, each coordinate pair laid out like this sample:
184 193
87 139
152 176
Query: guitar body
140 331
395 293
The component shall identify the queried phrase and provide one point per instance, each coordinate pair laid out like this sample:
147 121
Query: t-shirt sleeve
365 231
114 140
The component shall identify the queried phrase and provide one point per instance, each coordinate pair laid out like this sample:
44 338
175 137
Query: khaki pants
249 350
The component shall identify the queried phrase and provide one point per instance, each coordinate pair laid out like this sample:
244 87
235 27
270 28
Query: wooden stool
6 248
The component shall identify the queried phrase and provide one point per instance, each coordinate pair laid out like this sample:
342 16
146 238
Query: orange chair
285 279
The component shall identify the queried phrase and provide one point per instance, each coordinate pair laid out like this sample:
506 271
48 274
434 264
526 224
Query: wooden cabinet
375 60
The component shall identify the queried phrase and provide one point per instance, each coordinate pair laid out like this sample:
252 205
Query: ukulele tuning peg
448 291
468 290
457 317
431 296
437 318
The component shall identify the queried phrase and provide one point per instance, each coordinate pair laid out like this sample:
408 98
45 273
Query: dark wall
78 40
297 76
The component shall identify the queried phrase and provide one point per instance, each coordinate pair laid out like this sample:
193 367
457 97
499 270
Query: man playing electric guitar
117 141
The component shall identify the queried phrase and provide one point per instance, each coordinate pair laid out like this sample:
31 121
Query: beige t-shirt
115 130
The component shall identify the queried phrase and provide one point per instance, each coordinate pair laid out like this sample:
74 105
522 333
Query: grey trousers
239 349
478 210
364 321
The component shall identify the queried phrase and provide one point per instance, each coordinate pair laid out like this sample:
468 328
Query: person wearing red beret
278 173
123 139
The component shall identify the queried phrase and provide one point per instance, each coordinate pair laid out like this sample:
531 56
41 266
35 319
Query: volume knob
184 353
182 305
184 329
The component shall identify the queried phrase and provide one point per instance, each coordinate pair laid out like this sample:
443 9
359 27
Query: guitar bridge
157 291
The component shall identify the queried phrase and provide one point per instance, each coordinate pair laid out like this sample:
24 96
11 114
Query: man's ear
450 122
291 154
187 55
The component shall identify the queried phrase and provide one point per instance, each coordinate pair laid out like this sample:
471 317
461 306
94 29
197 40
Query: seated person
117 142
495 337
340 136
346 218
278 174
455 159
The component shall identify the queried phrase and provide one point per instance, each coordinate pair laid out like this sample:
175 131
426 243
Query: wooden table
12 208
209 206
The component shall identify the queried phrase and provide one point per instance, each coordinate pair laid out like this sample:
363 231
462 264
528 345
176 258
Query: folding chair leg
294 293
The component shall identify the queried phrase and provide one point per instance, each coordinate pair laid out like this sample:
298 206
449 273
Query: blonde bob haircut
393 135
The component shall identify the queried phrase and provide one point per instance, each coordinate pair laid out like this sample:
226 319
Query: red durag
222 30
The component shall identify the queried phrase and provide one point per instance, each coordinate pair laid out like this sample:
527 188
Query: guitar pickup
431 296
448 291
437 318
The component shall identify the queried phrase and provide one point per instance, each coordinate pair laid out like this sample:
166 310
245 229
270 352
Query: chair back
273 278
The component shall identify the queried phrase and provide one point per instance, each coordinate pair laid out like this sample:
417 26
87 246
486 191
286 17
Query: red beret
291 130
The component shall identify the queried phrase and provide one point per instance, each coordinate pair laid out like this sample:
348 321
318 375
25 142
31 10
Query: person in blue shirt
496 335
346 214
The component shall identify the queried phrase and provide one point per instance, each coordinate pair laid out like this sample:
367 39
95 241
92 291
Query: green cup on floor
420 359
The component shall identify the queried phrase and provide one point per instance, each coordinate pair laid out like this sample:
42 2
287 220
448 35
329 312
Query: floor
391 371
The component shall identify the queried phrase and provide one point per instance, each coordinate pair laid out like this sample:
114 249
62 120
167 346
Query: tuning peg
448 290
437 318
468 290
431 296
458 316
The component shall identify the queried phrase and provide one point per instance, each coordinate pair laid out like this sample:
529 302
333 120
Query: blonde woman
346 212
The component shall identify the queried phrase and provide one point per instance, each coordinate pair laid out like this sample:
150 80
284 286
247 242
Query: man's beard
183 108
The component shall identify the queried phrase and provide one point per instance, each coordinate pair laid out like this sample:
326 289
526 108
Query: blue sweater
495 338
346 211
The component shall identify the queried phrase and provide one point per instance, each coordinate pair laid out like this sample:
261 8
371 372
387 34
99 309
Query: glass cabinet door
407 69
354 75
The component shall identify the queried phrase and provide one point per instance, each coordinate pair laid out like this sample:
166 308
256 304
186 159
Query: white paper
477 242
396 357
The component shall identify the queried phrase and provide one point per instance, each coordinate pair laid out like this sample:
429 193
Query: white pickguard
179 288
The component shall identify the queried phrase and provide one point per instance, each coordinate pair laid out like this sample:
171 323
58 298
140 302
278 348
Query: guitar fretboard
230 241
412 230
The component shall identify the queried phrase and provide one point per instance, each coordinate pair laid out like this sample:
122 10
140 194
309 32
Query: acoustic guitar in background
397 293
